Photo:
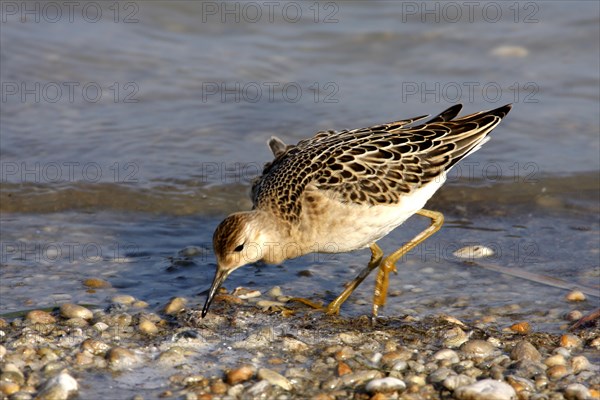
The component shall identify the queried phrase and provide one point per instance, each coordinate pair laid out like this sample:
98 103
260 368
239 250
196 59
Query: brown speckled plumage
375 165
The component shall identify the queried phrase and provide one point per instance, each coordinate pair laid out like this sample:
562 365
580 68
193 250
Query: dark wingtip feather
447 115
501 111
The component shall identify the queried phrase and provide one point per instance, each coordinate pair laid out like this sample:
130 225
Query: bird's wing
375 165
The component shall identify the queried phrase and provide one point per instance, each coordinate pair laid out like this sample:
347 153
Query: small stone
266 304
454 381
275 292
343 369
577 391
256 390
175 305
510 51
2 352
8 388
245 293
120 358
521 384
446 355
70 310
349 338
478 349
96 283
392 357
581 363
416 380
148 327
140 304
575 295
357 378
218 387
455 337
525 351
439 375
486 389
385 385
84 358
574 315
473 252
190 251
344 353
521 327
294 345
58 387
101 326
40 317
556 372
124 299
241 374
274 378
570 341
557 359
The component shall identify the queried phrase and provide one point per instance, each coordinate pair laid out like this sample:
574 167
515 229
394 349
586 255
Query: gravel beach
254 345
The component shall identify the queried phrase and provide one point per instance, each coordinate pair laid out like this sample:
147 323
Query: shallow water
124 143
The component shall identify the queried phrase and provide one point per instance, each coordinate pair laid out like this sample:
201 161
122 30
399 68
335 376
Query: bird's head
242 238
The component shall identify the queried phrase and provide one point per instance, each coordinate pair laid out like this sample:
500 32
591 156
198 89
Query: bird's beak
220 277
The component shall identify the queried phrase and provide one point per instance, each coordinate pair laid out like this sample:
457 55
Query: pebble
124 299
58 387
556 372
581 363
175 305
570 341
478 349
96 283
70 310
454 381
40 317
275 292
9 388
440 374
574 315
473 252
218 387
294 345
120 358
521 384
486 389
446 355
2 352
575 295
385 385
577 391
266 304
557 359
245 293
510 51
274 378
95 346
241 374
148 327
455 337
525 351
357 378
11 373
521 327
343 369
140 304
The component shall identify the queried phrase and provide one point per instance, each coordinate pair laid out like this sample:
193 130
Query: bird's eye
239 248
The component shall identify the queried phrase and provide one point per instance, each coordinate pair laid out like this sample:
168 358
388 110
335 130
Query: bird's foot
331 309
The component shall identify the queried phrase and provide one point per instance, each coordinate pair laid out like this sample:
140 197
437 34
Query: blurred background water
130 129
